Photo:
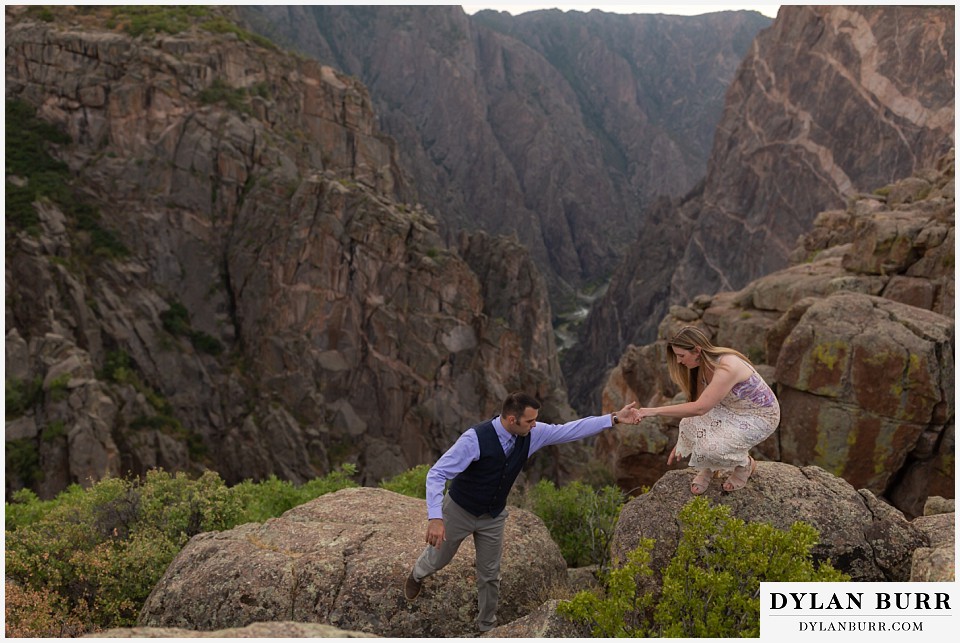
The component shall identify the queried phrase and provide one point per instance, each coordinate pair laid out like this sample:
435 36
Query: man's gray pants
458 523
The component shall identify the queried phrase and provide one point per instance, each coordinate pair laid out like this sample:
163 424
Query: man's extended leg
488 540
457 524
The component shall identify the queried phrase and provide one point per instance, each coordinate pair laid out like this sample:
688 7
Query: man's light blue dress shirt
467 449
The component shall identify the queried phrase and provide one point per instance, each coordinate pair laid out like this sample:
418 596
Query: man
483 464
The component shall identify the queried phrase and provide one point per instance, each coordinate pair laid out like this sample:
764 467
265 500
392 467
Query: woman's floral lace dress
721 438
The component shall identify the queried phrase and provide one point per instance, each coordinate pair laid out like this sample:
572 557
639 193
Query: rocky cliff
857 338
828 102
210 262
556 126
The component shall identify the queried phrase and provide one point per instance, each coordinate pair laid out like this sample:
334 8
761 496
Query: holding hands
629 414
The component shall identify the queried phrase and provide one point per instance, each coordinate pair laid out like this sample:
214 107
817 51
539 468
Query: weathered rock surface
542 623
279 308
865 378
341 560
275 630
829 101
938 561
860 535
862 380
556 126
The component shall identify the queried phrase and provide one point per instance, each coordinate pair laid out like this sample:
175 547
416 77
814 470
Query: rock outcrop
341 560
938 561
556 126
232 277
859 534
542 623
829 101
857 339
272 630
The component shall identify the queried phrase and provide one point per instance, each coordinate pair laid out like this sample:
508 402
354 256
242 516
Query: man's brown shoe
412 587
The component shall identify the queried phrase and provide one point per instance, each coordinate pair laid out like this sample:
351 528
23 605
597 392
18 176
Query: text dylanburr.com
845 611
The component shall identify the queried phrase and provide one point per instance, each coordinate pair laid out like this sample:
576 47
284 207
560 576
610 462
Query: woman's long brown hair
690 338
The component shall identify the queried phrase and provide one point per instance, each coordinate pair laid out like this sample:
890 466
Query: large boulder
863 380
859 534
341 560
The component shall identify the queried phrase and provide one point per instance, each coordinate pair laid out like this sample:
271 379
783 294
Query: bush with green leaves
618 610
259 501
29 141
411 483
95 554
711 586
580 519
176 321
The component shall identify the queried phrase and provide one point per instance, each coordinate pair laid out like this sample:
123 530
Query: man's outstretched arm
547 434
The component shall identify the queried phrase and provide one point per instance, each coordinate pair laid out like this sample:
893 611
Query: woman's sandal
738 479
701 482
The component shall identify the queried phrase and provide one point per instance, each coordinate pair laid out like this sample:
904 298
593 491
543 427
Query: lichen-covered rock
861 379
342 560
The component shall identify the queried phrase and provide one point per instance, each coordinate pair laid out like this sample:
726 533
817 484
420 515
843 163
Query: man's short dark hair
516 403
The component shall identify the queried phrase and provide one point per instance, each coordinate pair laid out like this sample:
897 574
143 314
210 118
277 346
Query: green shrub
176 321
260 501
57 390
411 483
23 460
28 143
117 367
205 343
22 395
222 25
94 555
219 91
619 609
580 519
711 586
26 508
148 19
104 548
54 430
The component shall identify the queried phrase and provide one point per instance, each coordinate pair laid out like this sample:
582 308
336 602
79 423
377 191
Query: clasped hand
630 414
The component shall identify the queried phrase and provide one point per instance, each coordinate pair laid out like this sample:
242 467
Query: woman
731 409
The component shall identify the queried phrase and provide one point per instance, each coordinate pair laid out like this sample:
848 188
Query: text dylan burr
855 600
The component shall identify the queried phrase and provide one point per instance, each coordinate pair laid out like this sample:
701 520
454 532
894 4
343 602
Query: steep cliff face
857 337
558 127
830 100
218 267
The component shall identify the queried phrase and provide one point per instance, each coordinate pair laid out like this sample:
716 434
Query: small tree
711 587
618 609
580 519
411 483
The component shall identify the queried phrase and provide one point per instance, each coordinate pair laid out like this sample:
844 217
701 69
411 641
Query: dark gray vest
483 487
